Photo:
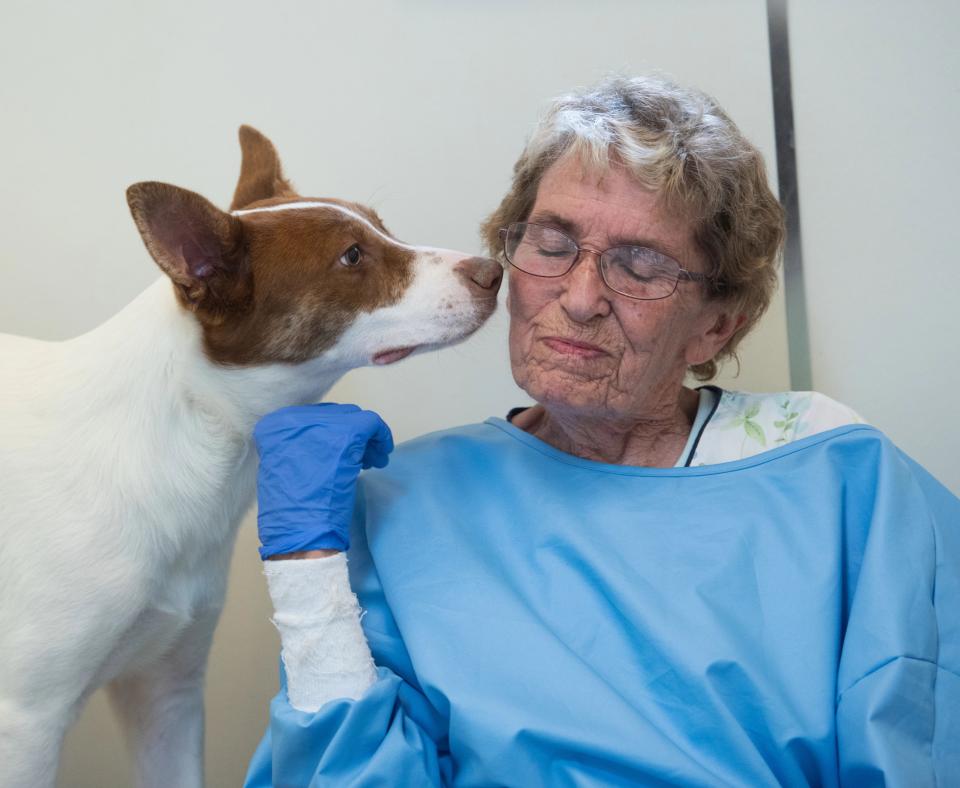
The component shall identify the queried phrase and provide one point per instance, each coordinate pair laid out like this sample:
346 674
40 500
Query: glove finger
379 444
273 425
375 457
334 407
297 414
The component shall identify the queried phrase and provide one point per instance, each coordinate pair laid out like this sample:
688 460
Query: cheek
525 300
656 333
644 322
527 296
522 306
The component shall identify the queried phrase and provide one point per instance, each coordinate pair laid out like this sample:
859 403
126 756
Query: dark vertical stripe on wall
798 335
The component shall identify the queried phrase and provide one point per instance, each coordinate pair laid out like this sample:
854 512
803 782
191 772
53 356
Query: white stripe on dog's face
299 206
294 206
311 299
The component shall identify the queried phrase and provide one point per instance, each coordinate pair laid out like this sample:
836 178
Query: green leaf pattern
739 411
790 424
747 424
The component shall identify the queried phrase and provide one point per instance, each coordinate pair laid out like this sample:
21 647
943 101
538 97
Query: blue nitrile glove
310 457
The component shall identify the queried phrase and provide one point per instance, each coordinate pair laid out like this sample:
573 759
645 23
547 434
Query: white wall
877 111
419 108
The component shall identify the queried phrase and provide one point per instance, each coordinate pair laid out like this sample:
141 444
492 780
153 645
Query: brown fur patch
302 296
196 244
261 175
268 287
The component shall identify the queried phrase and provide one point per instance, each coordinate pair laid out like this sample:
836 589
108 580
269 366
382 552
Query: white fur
428 316
126 464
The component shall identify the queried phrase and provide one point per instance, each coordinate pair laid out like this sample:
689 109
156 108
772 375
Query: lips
573 347
392 356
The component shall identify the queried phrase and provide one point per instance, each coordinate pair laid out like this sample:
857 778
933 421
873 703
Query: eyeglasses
634 271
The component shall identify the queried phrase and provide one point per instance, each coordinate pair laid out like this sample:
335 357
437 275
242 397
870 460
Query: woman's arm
898 701
338 718
324 652
352 728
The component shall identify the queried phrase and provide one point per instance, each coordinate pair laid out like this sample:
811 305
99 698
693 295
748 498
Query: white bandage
324 651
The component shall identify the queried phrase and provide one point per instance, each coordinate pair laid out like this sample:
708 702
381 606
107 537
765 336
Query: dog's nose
482 275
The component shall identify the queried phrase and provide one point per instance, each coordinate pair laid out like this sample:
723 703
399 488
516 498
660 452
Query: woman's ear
704 346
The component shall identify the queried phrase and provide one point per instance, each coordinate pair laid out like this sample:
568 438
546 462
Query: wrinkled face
578 347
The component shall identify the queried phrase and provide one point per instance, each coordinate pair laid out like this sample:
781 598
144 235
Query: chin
561 393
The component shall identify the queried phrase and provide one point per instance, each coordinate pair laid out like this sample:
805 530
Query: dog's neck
168 431
156 349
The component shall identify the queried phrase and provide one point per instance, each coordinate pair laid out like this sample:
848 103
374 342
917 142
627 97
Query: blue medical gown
542 620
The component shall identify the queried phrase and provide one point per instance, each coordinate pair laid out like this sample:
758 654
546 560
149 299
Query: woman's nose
585 296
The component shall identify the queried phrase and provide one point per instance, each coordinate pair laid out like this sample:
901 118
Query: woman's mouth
573 347
391 356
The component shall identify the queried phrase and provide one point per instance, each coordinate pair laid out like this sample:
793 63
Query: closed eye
552 252
641 263
647 273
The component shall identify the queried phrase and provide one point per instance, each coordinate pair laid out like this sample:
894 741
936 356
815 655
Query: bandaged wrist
324 652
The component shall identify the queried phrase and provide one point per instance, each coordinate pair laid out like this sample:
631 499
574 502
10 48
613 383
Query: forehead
608 207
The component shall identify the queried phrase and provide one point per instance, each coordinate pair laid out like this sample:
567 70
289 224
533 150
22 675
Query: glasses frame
682 273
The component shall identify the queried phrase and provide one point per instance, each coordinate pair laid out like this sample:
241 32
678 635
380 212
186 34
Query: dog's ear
261 176
195 243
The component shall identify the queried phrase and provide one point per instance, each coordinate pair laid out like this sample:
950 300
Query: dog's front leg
161 709
30 740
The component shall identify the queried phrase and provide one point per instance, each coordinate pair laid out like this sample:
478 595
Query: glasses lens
539 250
639 272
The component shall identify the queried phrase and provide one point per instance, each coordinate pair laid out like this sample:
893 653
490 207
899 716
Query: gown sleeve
898 701
391 735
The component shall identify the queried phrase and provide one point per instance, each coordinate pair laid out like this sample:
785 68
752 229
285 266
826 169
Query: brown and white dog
126 460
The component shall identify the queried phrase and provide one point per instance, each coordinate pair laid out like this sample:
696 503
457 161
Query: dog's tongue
389 356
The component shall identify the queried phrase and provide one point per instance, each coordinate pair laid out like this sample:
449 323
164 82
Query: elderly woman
632 582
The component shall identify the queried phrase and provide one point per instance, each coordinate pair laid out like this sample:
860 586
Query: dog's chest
179 619
184 582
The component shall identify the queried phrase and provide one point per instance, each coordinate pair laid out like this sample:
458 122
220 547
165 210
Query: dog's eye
351 257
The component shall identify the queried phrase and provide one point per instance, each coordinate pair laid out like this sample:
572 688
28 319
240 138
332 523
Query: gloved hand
310 457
